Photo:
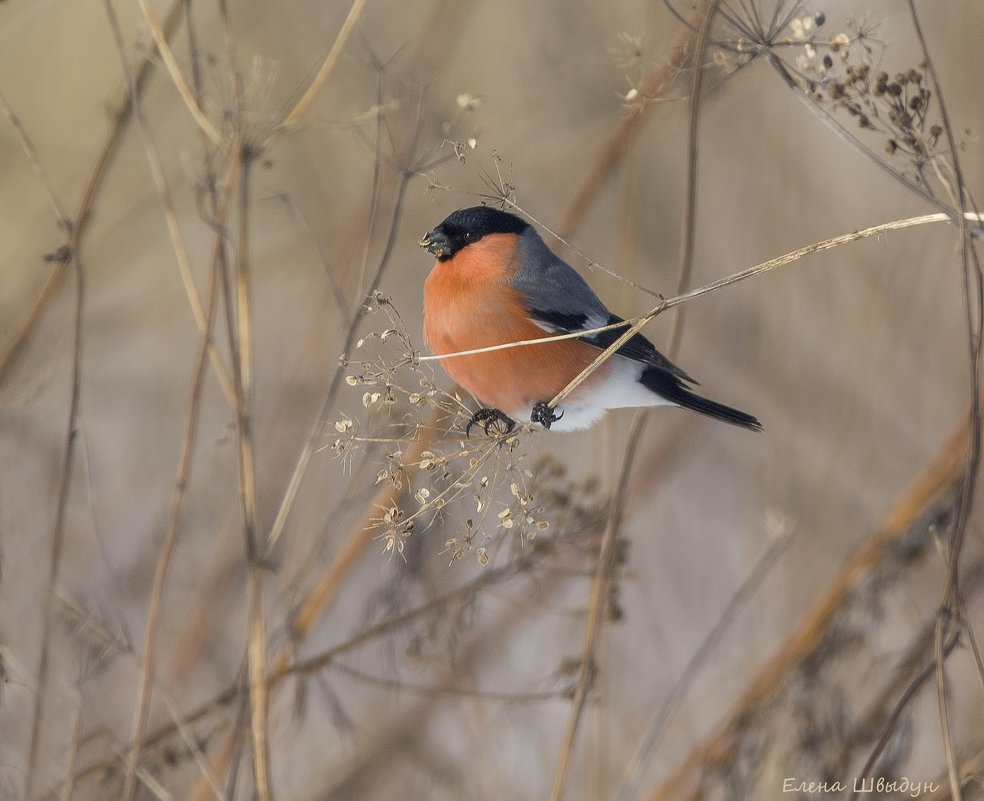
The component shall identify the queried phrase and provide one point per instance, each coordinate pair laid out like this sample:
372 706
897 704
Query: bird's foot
544 415
489 419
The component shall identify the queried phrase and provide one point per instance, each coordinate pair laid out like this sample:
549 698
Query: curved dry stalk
324 592
293 117
27 326
312 664
161 40
523 342
167 201
184 465
307 451
73 754
907 693
437 690
76 231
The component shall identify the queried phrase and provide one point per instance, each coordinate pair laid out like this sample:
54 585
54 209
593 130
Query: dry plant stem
324 592
376 183
24 330
160 39
71 763
58 533
300 468
193 747
76 228
408 724
76 231
438 690
690 213
243 361
596 608
929 492
183 473
293 486
62 220
32 157
296 113
972 640
916 654
950 602
205 326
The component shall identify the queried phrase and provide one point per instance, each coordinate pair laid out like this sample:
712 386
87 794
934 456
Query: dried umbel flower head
479 485
891 118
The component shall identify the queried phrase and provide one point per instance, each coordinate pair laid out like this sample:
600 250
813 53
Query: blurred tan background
855 360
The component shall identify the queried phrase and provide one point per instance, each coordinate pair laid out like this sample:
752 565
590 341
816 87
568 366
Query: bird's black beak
436 242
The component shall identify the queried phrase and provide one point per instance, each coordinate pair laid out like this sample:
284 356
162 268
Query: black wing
637 348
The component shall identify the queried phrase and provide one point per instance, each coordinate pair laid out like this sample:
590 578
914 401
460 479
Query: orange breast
469 303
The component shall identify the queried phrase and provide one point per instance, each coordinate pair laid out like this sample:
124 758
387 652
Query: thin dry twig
66 475
164 559
27 146
204 320
77 227
689 243
916 654
310 444
76 230
950 602
596 608
294 116
164 49
156 166
324 592
320 598
242 350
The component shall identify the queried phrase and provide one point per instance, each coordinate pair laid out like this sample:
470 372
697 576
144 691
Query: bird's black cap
465 226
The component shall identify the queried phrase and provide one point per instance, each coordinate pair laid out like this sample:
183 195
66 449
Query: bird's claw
544 415
489 418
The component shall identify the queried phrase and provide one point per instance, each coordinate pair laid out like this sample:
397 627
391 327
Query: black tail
671 387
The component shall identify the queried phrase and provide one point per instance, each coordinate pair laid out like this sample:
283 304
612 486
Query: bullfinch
496 281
